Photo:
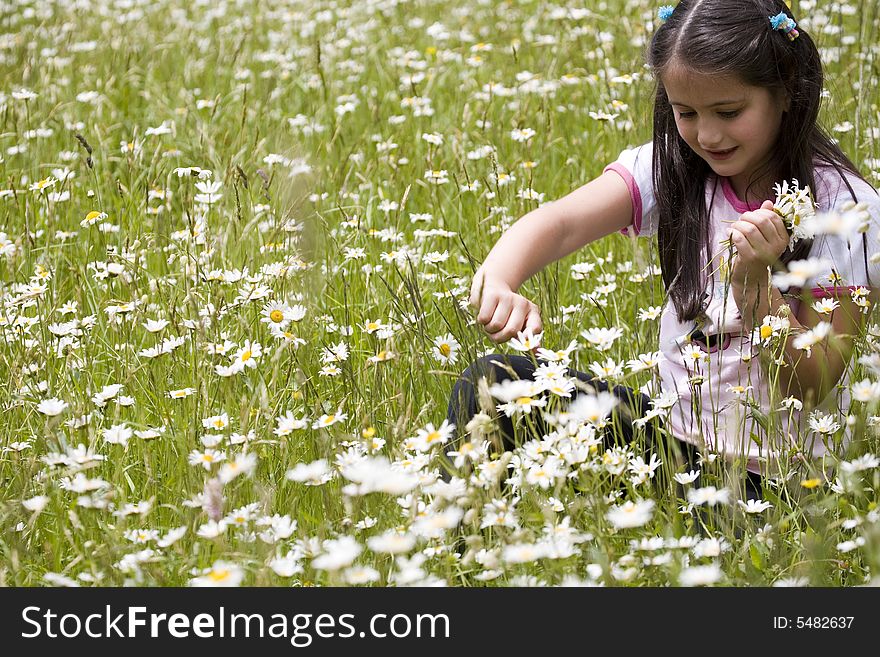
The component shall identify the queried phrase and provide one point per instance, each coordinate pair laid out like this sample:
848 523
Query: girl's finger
514 324
499 317
488 305
768 222
533 321
477 289
744 249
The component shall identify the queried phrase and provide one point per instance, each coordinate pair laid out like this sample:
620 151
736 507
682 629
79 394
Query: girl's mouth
721 155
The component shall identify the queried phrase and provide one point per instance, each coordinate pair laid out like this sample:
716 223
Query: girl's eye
729 115
686 115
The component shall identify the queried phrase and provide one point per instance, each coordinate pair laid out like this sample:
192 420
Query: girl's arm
760 238
553 231
808 378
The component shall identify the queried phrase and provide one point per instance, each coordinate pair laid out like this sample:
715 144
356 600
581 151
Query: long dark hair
730 37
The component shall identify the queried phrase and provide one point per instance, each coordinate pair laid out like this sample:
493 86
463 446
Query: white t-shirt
725 410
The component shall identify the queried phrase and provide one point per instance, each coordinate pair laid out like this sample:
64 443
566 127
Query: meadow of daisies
236 250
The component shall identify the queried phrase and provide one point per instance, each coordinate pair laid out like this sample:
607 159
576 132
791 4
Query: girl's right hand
502 312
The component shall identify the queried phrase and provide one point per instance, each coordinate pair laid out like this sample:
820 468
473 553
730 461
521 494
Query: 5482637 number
824 622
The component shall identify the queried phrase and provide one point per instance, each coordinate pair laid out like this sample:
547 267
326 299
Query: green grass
229 81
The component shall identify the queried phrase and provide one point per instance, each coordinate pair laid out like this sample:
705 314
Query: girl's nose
709 137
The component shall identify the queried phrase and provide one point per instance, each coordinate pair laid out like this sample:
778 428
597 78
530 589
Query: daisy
35 504
796 207
118 434
826 306
206 459
812 337
337 353
107 393
650 313
330 370
823 424
287 424
229 370
92 218
602 338
52 407
222 573
522 134
326 421
248 354
428 437
446 349
560 356
242 464
287 565
520 403
180 394
592 408
216 422
631 514
700 575
708 495
360 575
155 325
43 185
800 271
846 222
771 327
525 340
754 506
685 478
607 370
275 313
646 361
337 553
382 357
311 474
392 542
171 537
865 462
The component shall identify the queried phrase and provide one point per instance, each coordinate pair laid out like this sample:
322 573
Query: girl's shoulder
835 187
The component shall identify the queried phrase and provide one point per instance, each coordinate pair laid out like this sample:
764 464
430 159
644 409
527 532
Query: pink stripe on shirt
634 194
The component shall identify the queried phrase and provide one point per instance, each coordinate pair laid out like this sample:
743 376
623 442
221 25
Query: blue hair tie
665 12
785 24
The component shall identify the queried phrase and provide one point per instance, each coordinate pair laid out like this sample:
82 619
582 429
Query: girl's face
731 125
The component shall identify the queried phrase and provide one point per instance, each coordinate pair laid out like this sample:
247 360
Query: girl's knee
497 367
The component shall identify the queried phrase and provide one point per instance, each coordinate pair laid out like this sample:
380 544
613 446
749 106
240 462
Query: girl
735 112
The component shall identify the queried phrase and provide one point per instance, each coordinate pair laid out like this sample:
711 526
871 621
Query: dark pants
464 404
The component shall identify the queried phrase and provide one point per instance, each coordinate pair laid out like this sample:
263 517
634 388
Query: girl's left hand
760 238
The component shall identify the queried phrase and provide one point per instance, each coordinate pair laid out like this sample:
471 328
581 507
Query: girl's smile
731 125
721 155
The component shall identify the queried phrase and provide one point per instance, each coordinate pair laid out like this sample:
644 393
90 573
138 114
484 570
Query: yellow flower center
276 316
330 419
433 436
524 400
219 575
811 483
246 355
445 349
766 332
